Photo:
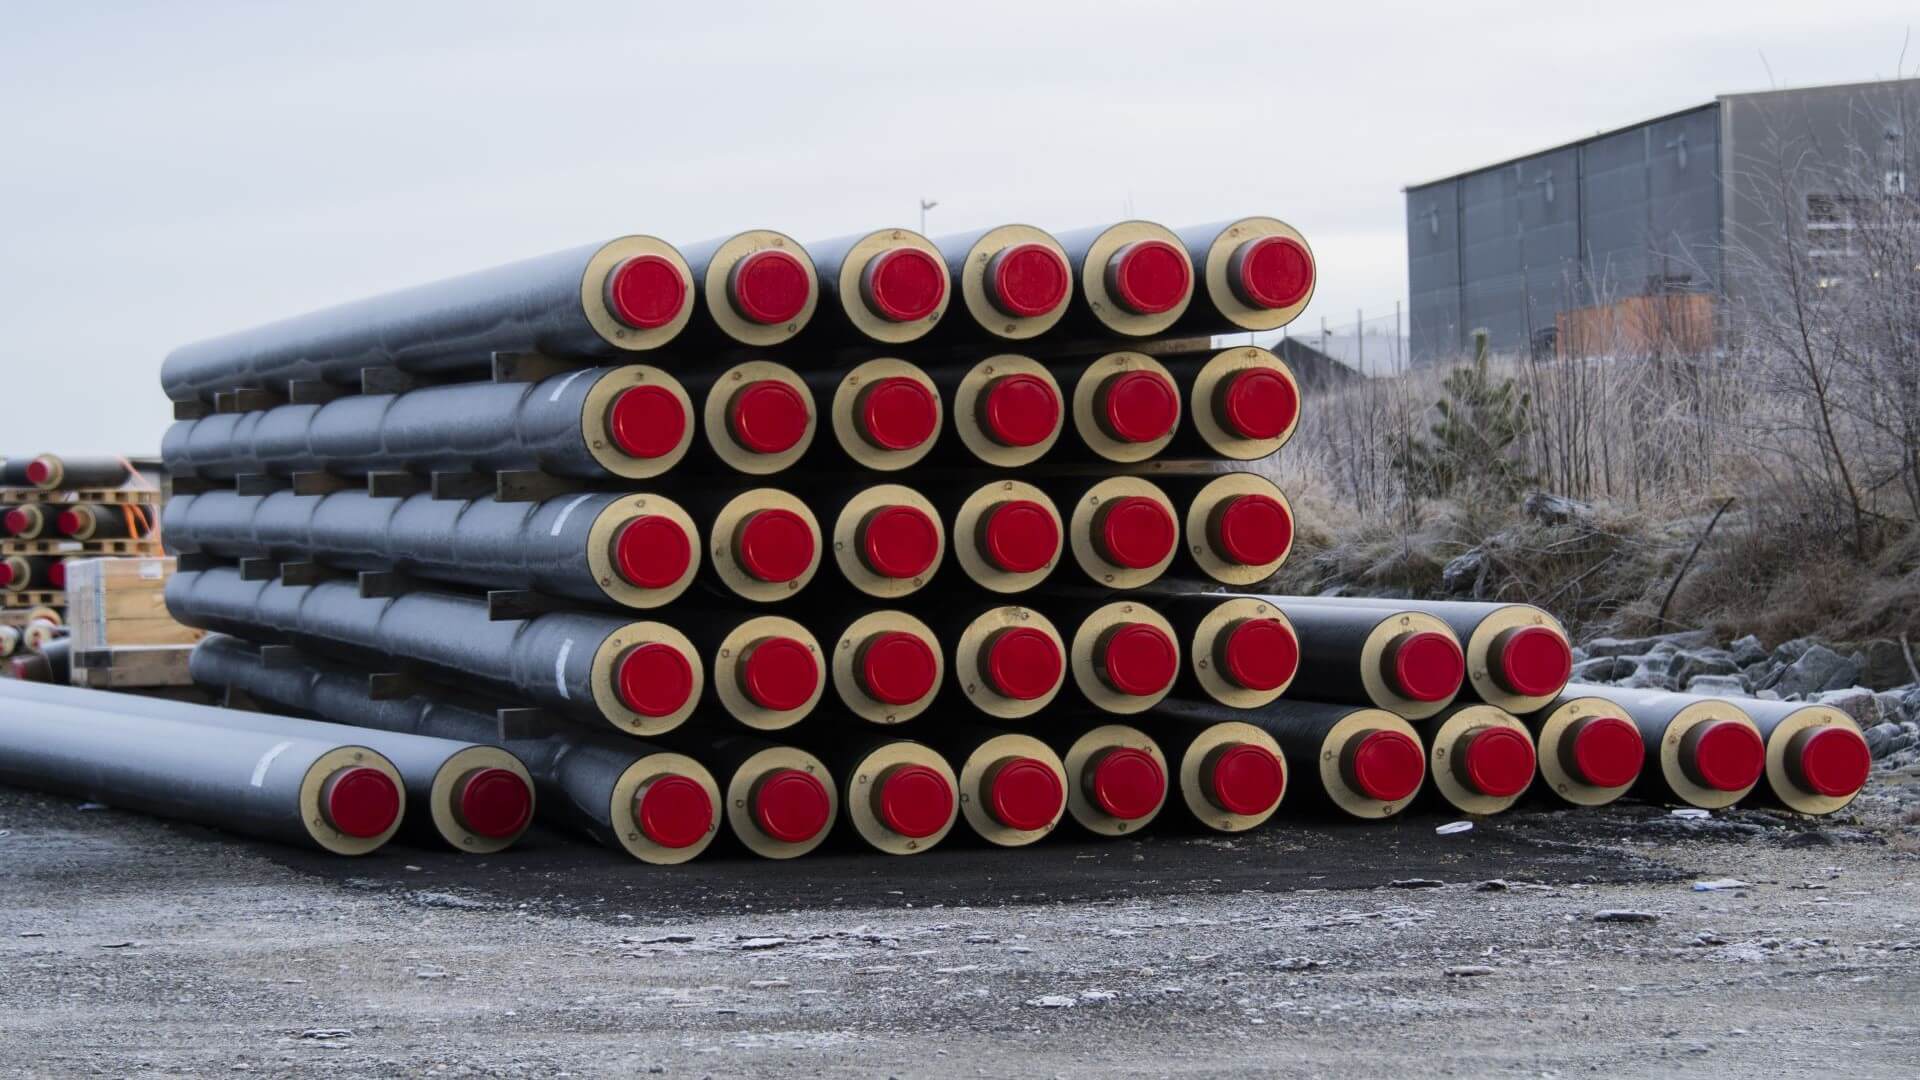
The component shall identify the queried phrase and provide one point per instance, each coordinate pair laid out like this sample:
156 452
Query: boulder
1687 666
1716 685
1747 651
1788 651
1463 573
1892 704
1818 668
1884 740
1686 639
1555 509
1604 669
1885 665
1857 702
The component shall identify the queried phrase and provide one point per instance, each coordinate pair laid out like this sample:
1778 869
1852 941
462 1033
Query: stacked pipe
882 541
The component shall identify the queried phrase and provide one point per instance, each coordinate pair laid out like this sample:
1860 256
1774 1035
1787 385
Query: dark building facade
1645 211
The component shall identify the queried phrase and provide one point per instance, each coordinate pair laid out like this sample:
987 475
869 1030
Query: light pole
926 204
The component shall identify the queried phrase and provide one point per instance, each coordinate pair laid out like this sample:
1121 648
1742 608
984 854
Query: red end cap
674 811
1139 660
897 668
360 801
899 542
1020 410
898 413
1023 663
39 472
1425 666
768 287
1019 536
17 521
69 522
1252 530
1139 406
1727 756
57 574
1126 783
1137 533
1027 281
779 673
1272 272
1832 761
6 572
1386 766
767 417
773 545
1496 761
1258 403
494 803
791 806
646 292
654 679
1261 654
1246 779
646 421
903 284
1024 794
1532 661
652 551
1149 277
1606 751
914 801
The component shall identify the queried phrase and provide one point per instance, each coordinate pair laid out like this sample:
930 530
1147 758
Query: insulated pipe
1817 760
1364 762
1007 536
887 287
637 551
757 289
1013 787
769 672
887 539
337 796
1242 651
1008 410
84 521
1401 660
51 661
1135 280
887 667
896 796
1232 775
757 417
763 544
657 806
588 304
41 630
1014 283
1124 655
781 802
1256 273
24 573
1701 751
885 414
1126 409
1009 662
1518 657
642 678
1481 759
24 522
470 797
1117 776
633 422
1238 526
1123 531
50 472
1589 749
1241 403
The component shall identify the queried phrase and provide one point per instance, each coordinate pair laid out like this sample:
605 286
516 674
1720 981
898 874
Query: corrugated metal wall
1509 247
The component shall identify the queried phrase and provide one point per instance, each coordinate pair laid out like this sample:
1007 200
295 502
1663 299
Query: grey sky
175 171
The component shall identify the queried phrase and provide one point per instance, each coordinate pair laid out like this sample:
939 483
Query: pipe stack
879 541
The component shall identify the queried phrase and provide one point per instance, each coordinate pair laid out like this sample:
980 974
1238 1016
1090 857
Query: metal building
1634 226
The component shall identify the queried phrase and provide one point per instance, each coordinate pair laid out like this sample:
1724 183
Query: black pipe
1817 760
1255 273
1240 403
467 797
637 551
1236 527
50 472
1013 787
597 303
629 795
1134 280
1362 762
897 796
887 287
1518 657
26 521
641 677
1006 411
1705 752
1232 775
885 414
1589 749
338 796
85 521
757 417
1399 660
757 289
634 422
781 801
25 573
1011 283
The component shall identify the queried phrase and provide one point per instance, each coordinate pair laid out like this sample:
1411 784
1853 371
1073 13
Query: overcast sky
173 171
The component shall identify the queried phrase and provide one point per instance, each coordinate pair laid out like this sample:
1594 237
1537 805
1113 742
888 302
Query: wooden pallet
123 666
97 496
32 598
81 548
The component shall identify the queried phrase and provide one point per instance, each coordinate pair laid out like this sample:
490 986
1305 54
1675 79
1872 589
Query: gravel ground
133 947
